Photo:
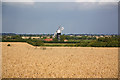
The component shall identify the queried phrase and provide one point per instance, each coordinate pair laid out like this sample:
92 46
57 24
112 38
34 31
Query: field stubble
21 60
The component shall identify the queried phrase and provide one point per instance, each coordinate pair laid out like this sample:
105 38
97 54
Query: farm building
35 37
25 37
48 39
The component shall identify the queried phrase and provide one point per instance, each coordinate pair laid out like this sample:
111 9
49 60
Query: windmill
58 32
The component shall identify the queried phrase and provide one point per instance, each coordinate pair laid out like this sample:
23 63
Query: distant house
108 36
35 37
48 39
90 36
48 36
71 35
25 37
41 36
97 37
65 40
101 36
79 36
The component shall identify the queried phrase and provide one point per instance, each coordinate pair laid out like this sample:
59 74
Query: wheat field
21 60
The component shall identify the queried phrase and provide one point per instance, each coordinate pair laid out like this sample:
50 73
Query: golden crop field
21 60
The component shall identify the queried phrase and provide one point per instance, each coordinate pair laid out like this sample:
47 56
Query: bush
35 42
38 43
82 44
113 44
97 44
8 45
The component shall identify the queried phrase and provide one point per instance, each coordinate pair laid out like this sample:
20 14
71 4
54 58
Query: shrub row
100 42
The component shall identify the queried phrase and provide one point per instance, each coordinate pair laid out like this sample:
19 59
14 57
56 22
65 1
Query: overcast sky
45 17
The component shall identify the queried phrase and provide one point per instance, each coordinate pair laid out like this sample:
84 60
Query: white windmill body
58 33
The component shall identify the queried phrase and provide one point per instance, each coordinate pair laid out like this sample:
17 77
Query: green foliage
44 37
84 41
50 36
97 44
62 38
55 39
91 38
35 42
82 44
113 44
16 37
101 42
38 43
84 37
57 44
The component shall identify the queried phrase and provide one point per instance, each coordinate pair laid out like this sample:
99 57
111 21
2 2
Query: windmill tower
58 33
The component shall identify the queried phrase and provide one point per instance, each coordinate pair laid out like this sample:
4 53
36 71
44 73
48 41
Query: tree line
113 41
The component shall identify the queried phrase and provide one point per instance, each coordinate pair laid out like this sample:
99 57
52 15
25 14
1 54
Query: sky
45 17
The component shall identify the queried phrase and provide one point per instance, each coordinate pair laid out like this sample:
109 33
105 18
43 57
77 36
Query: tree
55 39
44 37
16 37
83 44
62 38
113 44
38 43
35 42
84 37
50 36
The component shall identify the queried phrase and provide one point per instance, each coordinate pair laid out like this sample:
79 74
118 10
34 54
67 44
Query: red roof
48 39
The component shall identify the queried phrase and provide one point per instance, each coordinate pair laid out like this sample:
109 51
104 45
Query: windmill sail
59 30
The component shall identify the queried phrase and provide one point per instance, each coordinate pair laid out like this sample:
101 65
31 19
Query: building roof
48 39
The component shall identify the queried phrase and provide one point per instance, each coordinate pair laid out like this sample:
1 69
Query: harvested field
21 60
